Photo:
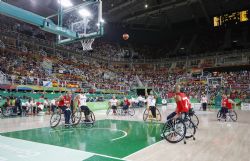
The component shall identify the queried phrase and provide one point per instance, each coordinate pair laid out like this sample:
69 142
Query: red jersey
189 104
229 105
126 102
64 101
61 102
224 102
183 104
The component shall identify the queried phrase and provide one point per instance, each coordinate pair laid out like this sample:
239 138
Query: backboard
84 19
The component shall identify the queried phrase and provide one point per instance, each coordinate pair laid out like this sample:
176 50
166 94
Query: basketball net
87 44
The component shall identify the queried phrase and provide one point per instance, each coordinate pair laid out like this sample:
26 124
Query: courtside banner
245 106
47 83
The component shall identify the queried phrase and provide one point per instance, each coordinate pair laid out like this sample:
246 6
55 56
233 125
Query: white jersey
53 102
82 100
140 98
151 101
204 99
113 102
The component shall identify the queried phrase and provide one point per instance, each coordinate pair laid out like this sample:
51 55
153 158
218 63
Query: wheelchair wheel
91 118
76 117
120 111
233 115
55 119
158 115
131 111
174 131
219 115
194 118
109 110
148 116
190 128
145 115
7 111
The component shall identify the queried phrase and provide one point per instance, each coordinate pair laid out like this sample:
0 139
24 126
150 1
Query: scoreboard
235 17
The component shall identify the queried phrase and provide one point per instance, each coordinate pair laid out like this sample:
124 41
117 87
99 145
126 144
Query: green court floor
113 138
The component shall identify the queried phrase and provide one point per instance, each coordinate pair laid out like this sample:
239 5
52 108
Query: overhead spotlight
65 3
146 6
84 13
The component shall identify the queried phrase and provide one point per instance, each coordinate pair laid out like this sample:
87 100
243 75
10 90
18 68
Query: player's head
224 95
68 93
177 88
113 97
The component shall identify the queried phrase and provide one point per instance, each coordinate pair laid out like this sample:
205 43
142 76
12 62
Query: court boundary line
142 149
103 155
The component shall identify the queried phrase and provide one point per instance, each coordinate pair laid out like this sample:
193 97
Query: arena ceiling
157 15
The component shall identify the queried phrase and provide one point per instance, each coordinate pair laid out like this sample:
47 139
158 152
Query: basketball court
113 137
123 138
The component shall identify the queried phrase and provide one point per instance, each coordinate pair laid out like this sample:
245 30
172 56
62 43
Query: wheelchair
87 121
176 130
147 115
229 114
120 111
8 111
58 116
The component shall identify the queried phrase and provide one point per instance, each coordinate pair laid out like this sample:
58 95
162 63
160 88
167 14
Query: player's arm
231 101
147 102
109 103
117 102
59 99
146 92
76 98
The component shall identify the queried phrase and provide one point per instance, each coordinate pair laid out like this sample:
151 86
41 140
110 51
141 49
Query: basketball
125 36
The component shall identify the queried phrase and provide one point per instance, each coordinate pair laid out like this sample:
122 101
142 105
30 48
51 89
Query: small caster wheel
185 142
193 138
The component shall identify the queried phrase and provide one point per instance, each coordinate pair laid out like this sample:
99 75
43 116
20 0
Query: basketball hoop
87 44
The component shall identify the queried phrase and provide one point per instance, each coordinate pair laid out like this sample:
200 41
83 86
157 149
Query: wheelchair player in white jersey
81 102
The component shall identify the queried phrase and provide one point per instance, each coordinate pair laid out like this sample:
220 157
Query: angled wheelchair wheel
131 111
190 128
90 118
109 111
233 115
76 117
158 115
174 131
194 118
55 119
7 111
219 115
145 114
